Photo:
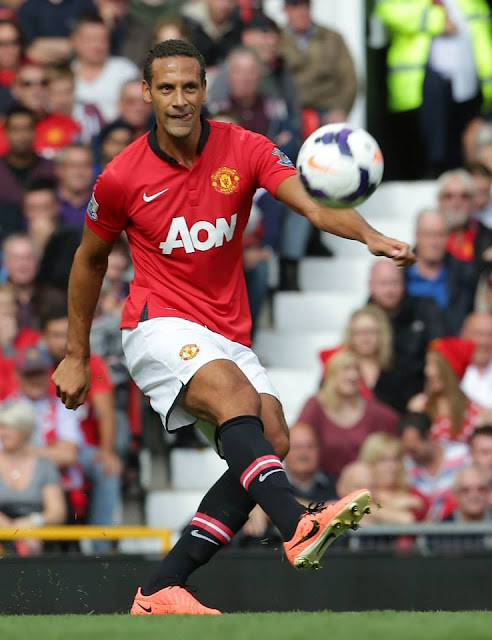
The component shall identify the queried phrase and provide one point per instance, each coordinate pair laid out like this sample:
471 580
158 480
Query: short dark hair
54 312
486 430
88 17
415 420
41 184
171 49
19 110
476 168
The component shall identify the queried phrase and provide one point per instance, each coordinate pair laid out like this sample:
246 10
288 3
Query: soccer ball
340 166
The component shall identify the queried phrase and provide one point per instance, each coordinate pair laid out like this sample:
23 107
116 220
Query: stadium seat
315 311
195 468
294 387
293 348
336 274
399 200
171 509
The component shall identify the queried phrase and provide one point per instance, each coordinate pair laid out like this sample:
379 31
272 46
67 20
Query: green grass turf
377 625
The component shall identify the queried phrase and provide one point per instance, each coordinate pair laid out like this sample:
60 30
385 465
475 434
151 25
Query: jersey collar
154 145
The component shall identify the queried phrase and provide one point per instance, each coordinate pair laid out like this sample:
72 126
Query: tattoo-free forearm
346 223
84 287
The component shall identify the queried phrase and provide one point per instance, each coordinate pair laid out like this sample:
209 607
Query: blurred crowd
405 402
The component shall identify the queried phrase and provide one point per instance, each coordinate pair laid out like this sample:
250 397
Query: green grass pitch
372 625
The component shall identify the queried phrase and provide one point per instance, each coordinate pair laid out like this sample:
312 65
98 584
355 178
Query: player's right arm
72 376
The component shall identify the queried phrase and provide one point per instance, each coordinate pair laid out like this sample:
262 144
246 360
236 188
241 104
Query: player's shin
253 461
221 514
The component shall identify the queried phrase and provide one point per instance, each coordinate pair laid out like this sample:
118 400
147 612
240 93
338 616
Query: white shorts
163 354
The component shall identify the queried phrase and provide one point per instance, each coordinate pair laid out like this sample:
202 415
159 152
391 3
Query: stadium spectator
436 274
482 203
20 262
20 165
172 28
370 336
11 51
439 65
111 141
477 381
321 65
481 449
60 100
11 337
456 195
453 415
415 320
97 423
73 166
133 110
400 503
341 416
46 24
41 212
354 475
262 35
302 466
30 485
98 75
29 88
214 28
431 464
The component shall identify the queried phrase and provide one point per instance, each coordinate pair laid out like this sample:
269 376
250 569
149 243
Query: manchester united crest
225 180
189 351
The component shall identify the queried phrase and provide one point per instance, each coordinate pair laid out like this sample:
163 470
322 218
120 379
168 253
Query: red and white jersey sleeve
107 213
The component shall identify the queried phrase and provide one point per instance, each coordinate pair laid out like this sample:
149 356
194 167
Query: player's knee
243 400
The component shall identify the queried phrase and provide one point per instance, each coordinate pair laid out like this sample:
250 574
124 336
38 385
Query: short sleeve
100 377
48 473
107 215
270 165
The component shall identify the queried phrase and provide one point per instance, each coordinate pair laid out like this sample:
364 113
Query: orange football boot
169 601
319 527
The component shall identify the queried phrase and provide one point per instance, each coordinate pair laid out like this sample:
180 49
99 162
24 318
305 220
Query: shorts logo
92 208
283 159
225 180
189 351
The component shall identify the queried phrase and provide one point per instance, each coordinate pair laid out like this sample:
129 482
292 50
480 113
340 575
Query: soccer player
183 194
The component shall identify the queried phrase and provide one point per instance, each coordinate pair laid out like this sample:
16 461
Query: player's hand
72 380
398 251
111 464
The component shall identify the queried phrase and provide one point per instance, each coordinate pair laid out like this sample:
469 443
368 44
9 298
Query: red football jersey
185 226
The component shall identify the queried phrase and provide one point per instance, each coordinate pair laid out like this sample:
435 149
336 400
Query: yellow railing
77 532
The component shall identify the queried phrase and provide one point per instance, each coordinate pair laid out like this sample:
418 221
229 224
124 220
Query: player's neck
181 149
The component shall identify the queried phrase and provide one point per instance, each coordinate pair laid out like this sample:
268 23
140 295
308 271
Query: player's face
177 94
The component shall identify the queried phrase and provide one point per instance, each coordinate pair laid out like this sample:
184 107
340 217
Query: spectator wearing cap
341 416
436 274
98 75
21 164
454 416
477 381
431 464
321 65
262 35
30 484
214 27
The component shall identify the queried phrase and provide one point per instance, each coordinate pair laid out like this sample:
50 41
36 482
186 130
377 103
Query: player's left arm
346 223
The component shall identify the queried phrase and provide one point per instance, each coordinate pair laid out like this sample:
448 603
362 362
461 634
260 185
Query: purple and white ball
340 166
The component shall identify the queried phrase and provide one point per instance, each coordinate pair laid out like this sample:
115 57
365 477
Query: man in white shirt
477 382
99 77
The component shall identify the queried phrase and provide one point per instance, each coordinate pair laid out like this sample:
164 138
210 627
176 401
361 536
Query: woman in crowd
30 489
400 503
341 416
454 416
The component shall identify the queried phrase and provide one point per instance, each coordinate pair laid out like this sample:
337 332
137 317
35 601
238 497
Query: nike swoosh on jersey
154 196
263 476
196 534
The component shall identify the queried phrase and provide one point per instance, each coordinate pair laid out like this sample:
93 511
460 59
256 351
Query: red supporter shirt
100 382
185 226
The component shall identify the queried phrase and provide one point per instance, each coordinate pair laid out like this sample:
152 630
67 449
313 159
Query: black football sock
253 461
221 514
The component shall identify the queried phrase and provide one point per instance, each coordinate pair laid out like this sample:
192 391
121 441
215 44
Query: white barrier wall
347 17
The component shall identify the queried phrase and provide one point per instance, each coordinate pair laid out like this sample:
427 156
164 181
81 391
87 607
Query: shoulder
383 411
119 63
457 452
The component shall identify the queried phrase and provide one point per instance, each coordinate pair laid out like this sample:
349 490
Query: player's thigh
219 391
275 425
